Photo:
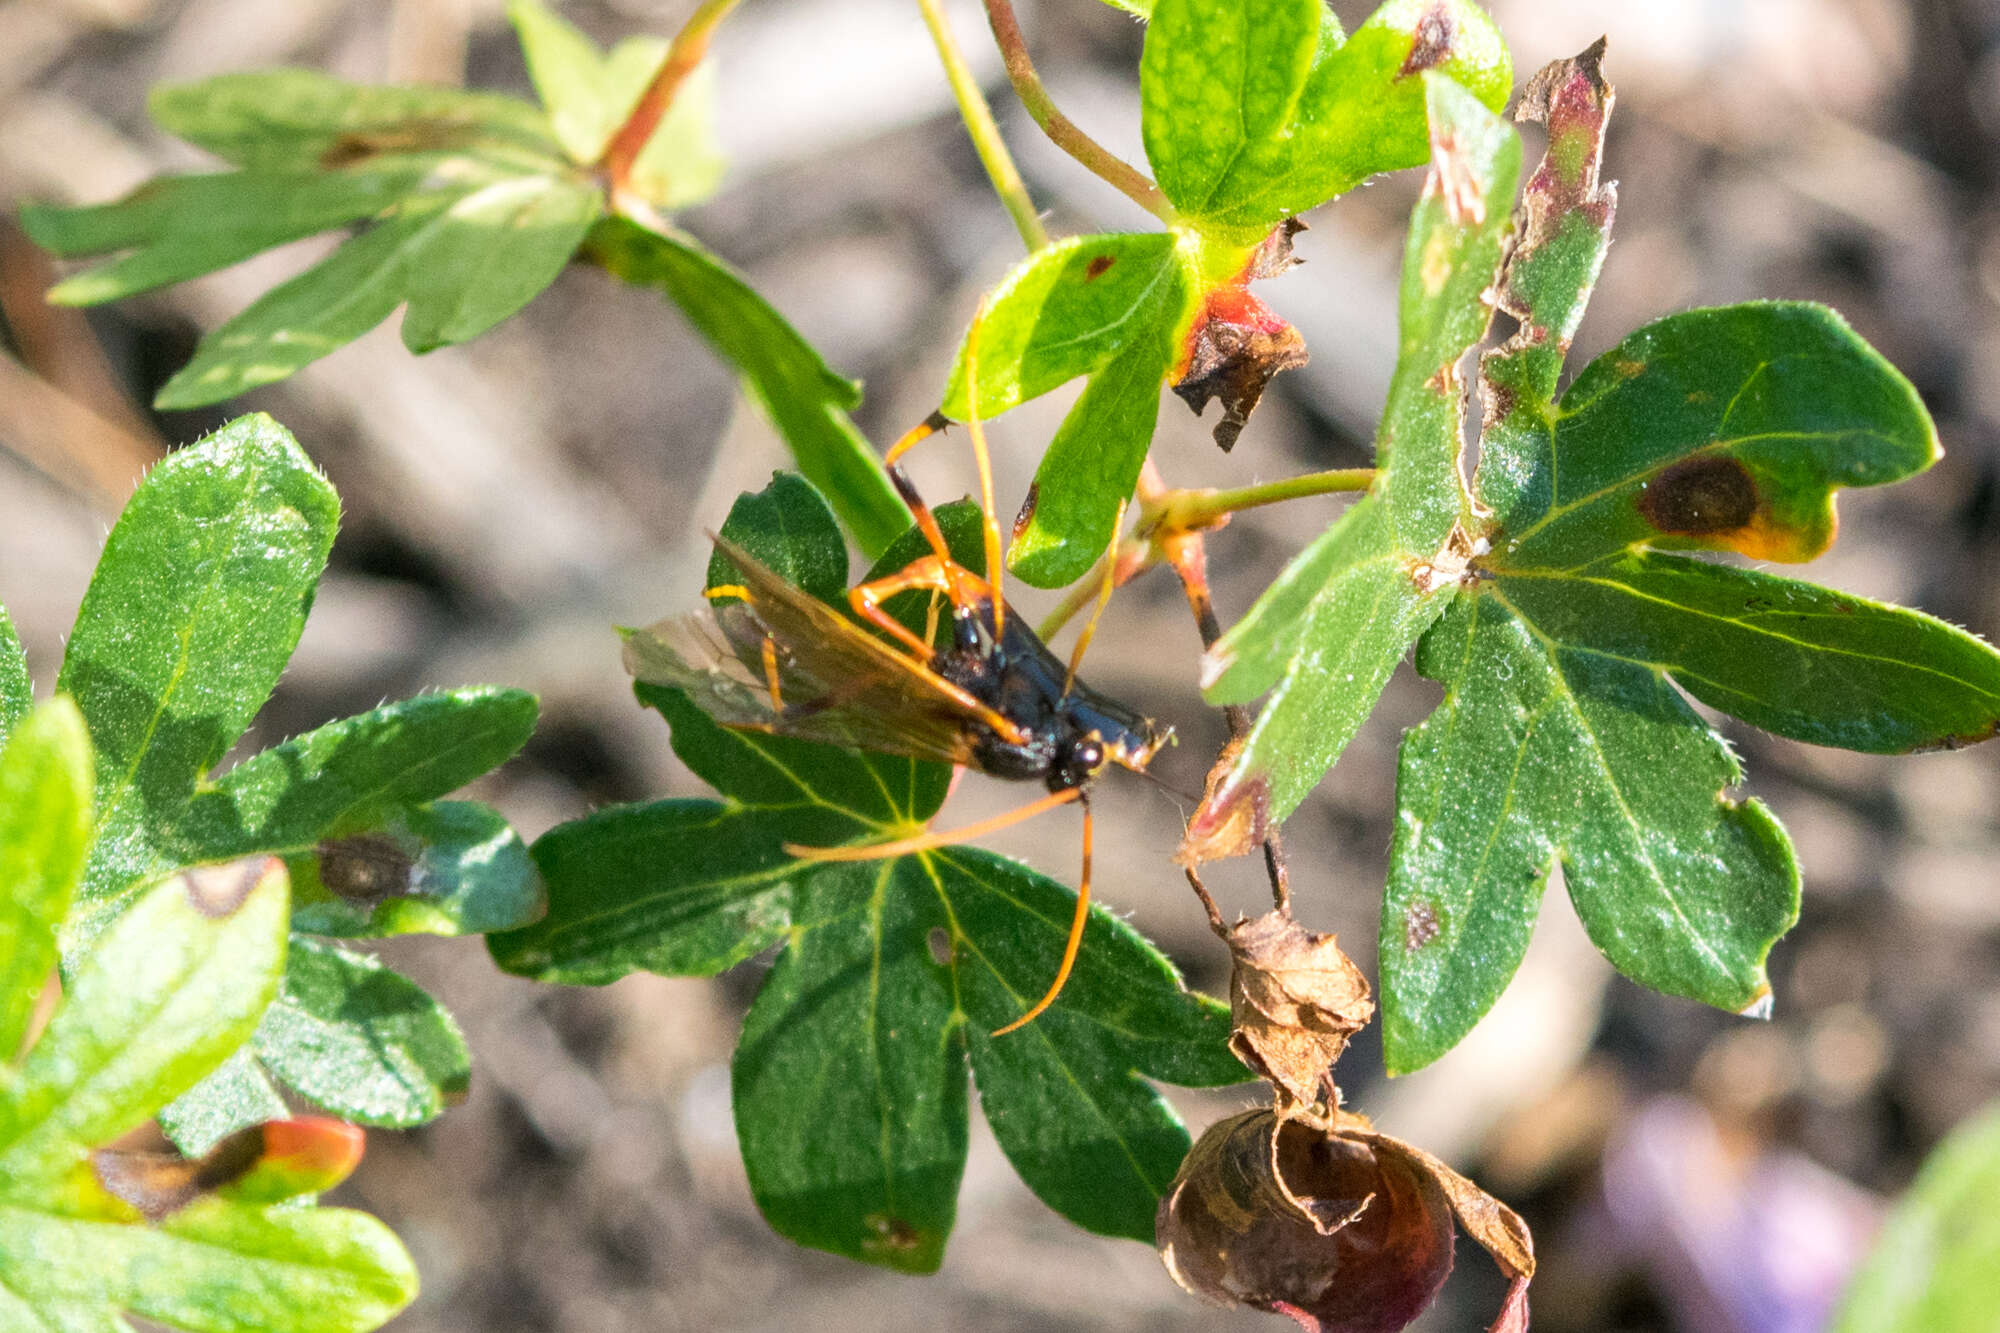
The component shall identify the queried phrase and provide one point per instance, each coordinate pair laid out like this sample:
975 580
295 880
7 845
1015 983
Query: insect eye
1088 755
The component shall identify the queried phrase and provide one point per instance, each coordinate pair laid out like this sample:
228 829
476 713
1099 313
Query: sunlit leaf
45 784
175 985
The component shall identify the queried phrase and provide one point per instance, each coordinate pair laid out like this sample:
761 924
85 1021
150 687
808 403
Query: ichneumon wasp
990 695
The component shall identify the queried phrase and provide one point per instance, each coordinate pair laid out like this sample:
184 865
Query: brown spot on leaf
217 891
1432 46
1700 497
1294 1000
367 868
892 1233
416 136
1027 514
939 940
1098 266
1962 740
155 1178
1420 926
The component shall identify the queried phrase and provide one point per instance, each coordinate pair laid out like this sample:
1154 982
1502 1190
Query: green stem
690 44
1195 509
1063 131
985 132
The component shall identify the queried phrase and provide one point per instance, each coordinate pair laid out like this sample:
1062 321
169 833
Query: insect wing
836 683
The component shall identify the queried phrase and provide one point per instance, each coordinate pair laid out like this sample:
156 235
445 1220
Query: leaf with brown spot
1294 1000
1563 737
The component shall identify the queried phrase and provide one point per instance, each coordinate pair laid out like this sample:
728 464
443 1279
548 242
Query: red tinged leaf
1237 343
279 1159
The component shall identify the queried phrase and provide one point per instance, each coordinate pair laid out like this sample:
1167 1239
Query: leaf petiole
1193 510
688 48
1062 131
977 114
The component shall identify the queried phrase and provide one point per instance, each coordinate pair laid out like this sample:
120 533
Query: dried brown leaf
1294 1001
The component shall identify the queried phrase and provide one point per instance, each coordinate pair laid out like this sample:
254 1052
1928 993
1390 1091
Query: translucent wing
836 682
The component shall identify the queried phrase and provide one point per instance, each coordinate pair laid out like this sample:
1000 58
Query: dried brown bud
1343 1229
1294 1001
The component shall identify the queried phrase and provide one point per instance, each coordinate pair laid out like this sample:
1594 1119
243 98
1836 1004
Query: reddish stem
1062 131
689 46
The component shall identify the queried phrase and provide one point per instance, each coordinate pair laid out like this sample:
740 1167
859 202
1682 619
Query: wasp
989 695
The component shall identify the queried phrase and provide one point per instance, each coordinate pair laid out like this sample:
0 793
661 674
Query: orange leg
925 572
771 674
928 841
1103 600
1075 943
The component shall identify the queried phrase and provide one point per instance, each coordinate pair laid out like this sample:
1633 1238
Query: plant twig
1167 512
1190 510
1186 552
1063 131
690 44
979 123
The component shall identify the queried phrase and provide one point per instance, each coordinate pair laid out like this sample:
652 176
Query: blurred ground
507 501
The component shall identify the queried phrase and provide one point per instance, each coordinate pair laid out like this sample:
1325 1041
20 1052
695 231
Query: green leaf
1561 738
1932 1267
1255 112
281 119
461 262
1092 465
1793 658
195 607
1324 639
489 254
355 774
180 227
360 1041
849 1080
1544 751
464 204
1065 311
449 868
17 692
1103 306
1220 78
586 94
1722 429
780 371
174 986
788 528
45 825
849 1083
589 95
